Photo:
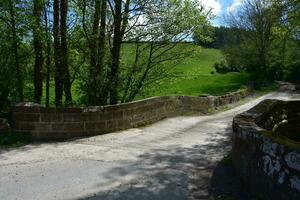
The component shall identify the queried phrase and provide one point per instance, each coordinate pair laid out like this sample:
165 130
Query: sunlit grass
195 75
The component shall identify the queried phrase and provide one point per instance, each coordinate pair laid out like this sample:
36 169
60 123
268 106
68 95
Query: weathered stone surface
267 162
68 127
59 123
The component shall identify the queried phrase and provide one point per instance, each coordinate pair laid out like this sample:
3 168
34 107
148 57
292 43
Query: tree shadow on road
225 184
168 173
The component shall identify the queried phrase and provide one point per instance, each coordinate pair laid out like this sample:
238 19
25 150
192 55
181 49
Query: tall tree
64 51
48 51
57 54
100 72
62 74
93 45
168 24
95 15
119 17
15 48
256 20
38 49
101 54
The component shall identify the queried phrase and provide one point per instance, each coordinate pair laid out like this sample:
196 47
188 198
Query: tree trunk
57 55
64 50
38 49
48 55
101 54
140 83
115 53
129 77
15 47
93 44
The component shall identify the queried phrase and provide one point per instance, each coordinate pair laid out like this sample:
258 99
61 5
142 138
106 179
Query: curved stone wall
267 159
61 123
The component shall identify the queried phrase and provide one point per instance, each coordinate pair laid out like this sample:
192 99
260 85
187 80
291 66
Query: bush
14 139
222 67
293 73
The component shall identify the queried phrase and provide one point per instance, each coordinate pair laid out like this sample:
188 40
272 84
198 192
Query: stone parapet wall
62 123
268 164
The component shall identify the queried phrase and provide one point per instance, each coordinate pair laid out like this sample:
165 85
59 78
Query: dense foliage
107 50
263 38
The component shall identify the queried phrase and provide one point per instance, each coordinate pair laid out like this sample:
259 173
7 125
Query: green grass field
197 76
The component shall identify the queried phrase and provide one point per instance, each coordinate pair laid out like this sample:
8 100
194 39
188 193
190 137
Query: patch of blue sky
221 8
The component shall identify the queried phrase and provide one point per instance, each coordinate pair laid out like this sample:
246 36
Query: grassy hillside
196 75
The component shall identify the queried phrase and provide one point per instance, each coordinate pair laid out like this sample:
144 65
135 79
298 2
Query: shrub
222 67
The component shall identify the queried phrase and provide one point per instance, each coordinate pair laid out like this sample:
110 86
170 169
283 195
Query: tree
38 49
14 52
15 47
57 55
96 40
288 32
93 44
169 24
89 40
64 50
48 51
102 83
255 21
62 74
269 33
120 19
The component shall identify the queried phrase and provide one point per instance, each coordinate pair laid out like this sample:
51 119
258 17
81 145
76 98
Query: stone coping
260 119
61 123
268 164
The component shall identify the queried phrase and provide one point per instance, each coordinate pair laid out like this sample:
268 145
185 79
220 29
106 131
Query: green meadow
194 75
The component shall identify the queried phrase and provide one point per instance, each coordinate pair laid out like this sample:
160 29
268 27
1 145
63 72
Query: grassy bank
194 75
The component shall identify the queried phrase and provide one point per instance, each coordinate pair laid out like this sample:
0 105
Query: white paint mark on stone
271 165
293 160
269 147
277 166
281 177
295 183
268 165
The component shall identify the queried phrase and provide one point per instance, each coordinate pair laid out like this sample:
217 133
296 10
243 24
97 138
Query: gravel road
169 160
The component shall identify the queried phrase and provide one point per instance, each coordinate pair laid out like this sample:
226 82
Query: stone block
93 126
42 127
124 124
24 126
112 124
118 115
69 127
26 117
51 117
73 117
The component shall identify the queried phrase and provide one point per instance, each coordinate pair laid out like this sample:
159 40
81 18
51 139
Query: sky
221 8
